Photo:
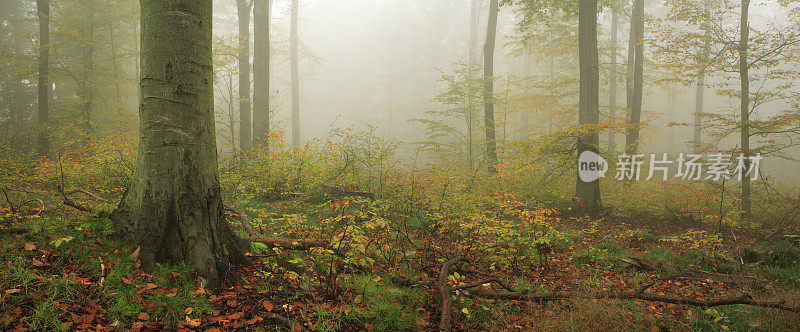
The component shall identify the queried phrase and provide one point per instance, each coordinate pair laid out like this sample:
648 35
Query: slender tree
488 93
43 9
473 50
744 96
612 81
245 126
261 57
88 69
588 193
173 208
293 45
701 77
635 99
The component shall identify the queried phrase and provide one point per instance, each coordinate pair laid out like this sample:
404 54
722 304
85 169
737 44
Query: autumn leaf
143 316
29 246
268 305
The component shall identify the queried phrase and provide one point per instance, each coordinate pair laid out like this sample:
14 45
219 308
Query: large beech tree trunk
588 193
261 54
173 209
245 126
488 89
635 100
43 9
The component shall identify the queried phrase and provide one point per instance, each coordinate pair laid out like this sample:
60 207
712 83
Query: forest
378 165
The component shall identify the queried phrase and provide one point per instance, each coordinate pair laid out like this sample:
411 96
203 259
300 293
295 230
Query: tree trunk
701 78
293 44
88 73
744 76
473 50
637 30
173 209
488 87
588 193
245 126
261 86
612 82
43 8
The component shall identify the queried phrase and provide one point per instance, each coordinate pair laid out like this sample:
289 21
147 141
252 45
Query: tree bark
473 50
488 87
245 126
293 45
43 9
261 84
88 73
701 79
612 82
637 31
744 76
173 209
588 193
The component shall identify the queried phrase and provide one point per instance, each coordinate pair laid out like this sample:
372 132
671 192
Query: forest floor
380 271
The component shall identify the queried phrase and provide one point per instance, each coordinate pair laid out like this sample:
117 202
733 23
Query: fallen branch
444 291
690 272
294 244
243 218
635 295
87 193
69 202
13 230
293 325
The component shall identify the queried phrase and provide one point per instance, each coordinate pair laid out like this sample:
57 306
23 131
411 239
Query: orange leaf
268 305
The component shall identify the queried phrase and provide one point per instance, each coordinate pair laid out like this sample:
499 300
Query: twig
87 193
10 204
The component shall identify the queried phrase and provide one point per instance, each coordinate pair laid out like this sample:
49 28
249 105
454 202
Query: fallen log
689 272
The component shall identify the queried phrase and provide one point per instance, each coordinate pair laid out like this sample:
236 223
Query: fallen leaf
268 305
29 246
232 303
254 320
13 291
144 316
193 323
188 311
135 255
